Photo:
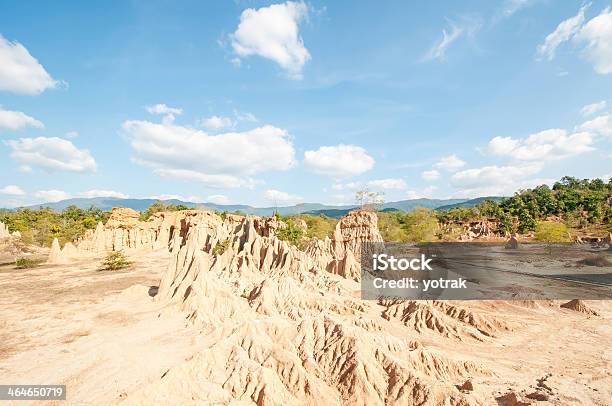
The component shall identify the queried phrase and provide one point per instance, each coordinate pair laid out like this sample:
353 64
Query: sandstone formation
56 256
579 306
283 325
124 231
4 233
512 243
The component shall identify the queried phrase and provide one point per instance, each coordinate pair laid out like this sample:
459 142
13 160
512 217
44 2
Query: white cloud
16 120
431 175
20 72
245 116
512 6
421 194
347 186
597 34
220 181
51 154
12 190
438 51
71 134
102 193
273 33
52 195
276 197
601 125
163 109
216 123
218 199
450 163
390 183
542 146
564 32
496 180
191 199
593 108
339 161
221 160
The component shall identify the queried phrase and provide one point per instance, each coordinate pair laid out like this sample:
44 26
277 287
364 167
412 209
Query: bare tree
367 199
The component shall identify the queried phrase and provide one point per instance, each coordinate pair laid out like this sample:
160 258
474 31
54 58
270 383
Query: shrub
292 233
160 206
551 232
421 225
115 260
26 263
220 247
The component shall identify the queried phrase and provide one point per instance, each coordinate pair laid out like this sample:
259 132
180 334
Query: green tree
420 225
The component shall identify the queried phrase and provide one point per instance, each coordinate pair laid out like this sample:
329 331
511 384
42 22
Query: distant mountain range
107 203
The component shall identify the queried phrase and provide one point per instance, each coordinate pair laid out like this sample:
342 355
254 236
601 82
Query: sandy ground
102 334
98 332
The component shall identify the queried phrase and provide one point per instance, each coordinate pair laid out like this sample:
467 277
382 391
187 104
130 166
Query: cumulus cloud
223 160
496 180
593 108
601 125
597 34
102 193
564 32
216 123
431 175
20 72
218 199
339 161
273 33
450 163
542 146
51 154
52 195
594 37
390 183
12 190
220 181
278 197
16 120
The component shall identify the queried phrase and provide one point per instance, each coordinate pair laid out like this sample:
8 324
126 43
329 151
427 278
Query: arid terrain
220 311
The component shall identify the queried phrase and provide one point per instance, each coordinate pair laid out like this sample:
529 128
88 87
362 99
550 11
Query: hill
107 203
471 202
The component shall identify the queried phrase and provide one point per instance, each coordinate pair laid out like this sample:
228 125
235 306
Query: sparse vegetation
292 233
160 206
319 226
418 225
551 232
114 261
220 247
40 226
27 263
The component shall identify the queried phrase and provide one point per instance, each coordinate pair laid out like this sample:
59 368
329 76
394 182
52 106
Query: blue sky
276 103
